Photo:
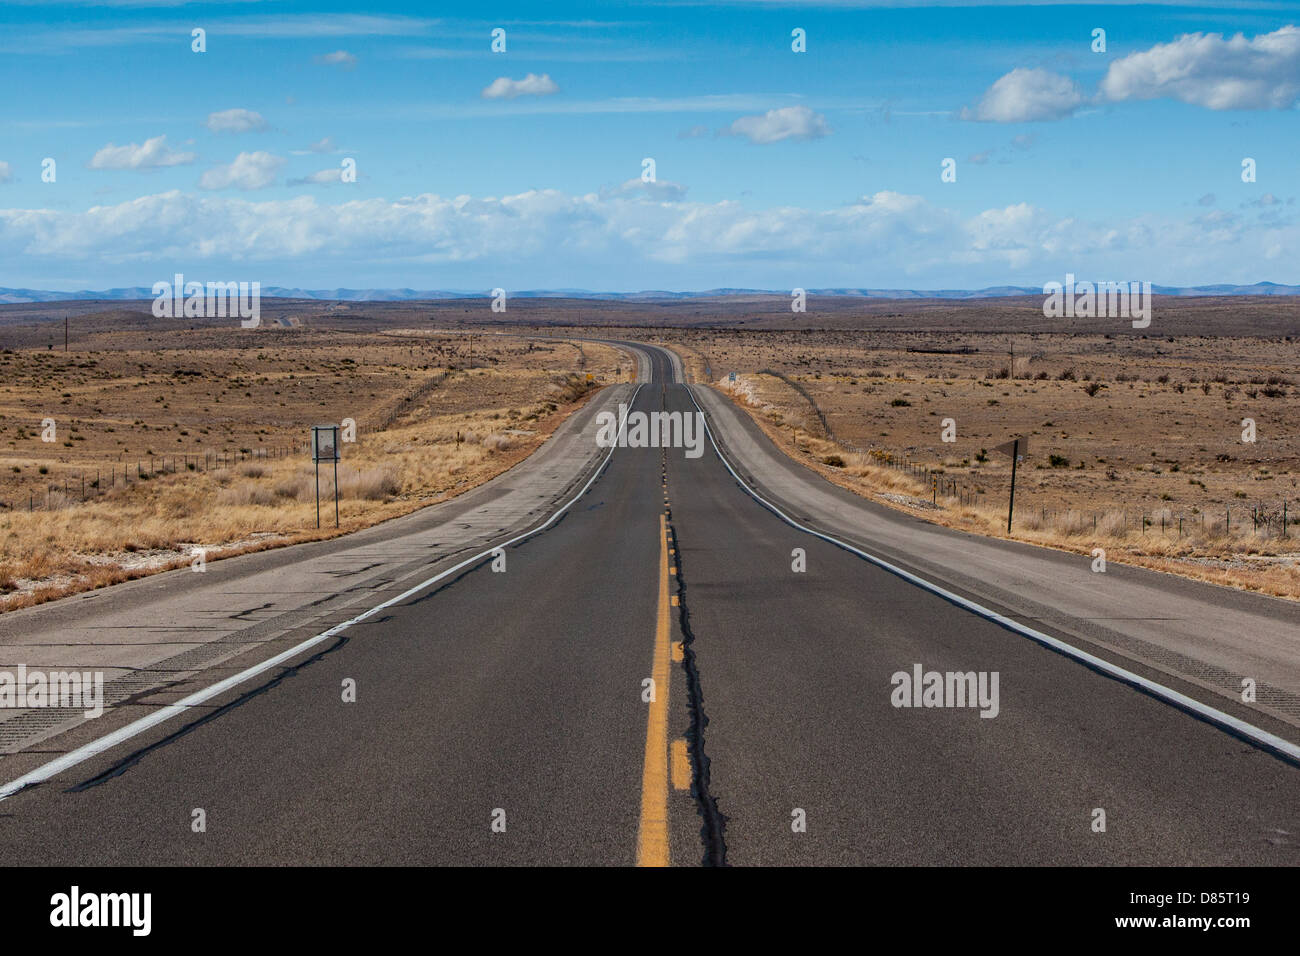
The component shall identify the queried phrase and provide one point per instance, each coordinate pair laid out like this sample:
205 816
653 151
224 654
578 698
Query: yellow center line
652 838
681 765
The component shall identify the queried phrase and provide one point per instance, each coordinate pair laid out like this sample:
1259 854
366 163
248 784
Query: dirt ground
1138 440
1136 444
163 444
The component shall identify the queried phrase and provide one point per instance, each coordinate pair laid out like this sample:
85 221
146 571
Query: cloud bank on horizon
913 145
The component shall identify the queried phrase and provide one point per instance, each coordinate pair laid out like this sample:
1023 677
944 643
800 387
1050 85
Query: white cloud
662 190
248 171
549 238
322 177
1207 69
338 58
154 154
325 145
6 172
789 122
1024 95
235 121
1202 69
276 27
1264 201
531 85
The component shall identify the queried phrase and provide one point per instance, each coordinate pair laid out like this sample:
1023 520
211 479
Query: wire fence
78 486
1262 518
84 485
408 403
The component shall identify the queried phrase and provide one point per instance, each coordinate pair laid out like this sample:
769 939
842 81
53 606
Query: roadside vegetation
1140 454
424 434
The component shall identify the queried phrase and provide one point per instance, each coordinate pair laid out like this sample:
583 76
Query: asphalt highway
670 674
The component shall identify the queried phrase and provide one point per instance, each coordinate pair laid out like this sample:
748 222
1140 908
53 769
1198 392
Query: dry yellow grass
473 426
1208 551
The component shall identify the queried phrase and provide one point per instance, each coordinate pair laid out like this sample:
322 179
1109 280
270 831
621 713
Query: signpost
1015 448
325 447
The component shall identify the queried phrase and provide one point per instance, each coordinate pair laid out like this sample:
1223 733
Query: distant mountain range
138 293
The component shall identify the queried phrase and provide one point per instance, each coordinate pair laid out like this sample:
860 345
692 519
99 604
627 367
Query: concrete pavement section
158 631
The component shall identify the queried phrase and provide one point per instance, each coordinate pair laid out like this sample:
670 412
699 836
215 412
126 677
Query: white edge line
1237 726
137 727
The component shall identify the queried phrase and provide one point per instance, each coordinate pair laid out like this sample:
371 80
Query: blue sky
523 169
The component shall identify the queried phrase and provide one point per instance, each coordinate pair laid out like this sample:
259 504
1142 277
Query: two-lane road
503 716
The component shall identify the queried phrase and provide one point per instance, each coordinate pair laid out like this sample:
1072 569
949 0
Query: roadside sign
1017 446
732 377
325 447
324 443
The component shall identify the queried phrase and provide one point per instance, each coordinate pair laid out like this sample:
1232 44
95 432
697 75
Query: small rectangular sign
325 443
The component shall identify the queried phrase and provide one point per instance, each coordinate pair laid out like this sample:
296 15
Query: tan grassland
1136 444
167 444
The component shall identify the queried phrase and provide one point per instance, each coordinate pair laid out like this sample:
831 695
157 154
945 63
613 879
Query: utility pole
65 333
